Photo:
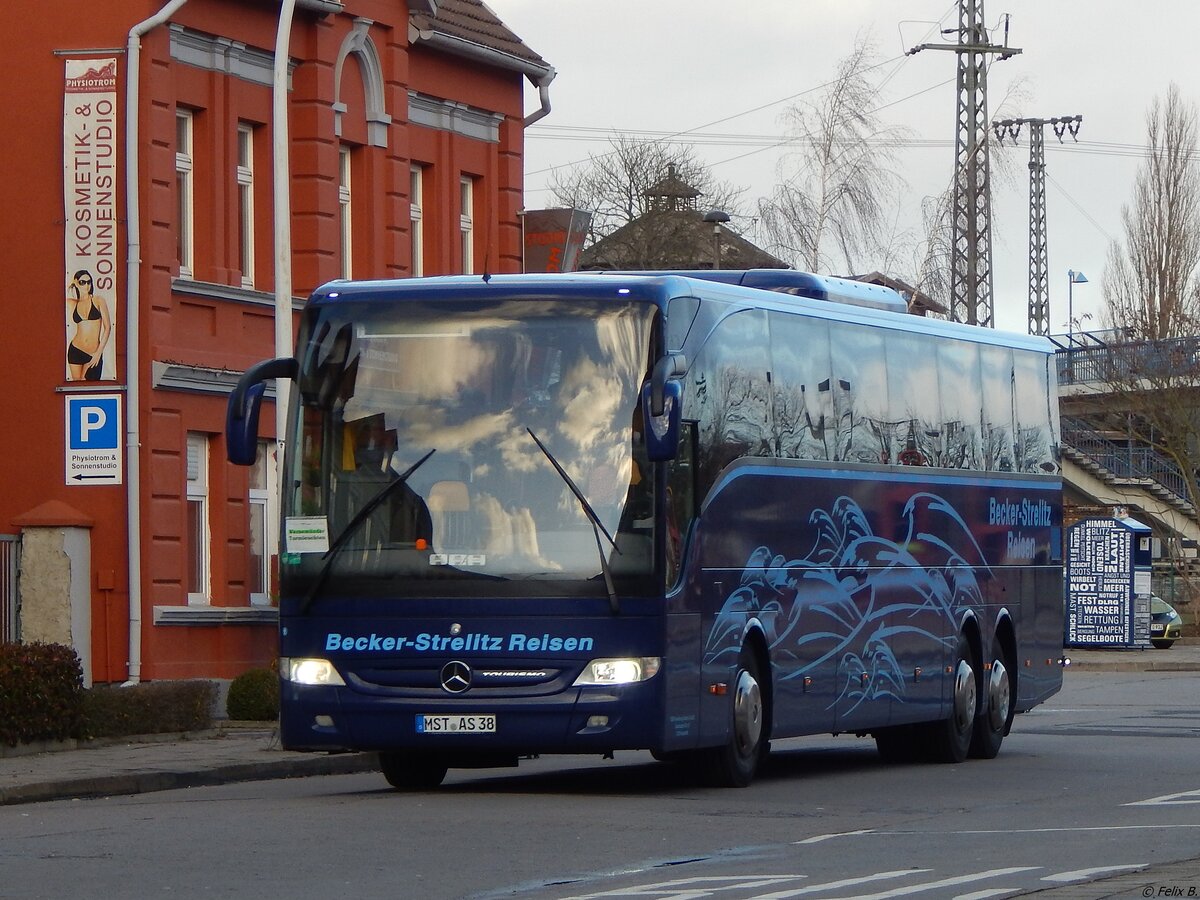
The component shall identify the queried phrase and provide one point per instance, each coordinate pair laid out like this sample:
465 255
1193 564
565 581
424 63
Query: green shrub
41 689
153 707
254 696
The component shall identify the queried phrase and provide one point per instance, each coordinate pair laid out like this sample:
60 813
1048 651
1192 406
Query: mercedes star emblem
456 677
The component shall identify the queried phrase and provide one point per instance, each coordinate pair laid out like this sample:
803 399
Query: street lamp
716 216
1073 278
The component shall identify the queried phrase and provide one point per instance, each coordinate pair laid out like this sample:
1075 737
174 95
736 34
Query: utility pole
971 219
1039 280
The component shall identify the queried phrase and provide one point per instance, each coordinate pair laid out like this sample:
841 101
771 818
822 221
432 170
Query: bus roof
799 284
818 295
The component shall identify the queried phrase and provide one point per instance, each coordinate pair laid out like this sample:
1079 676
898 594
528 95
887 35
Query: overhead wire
672 137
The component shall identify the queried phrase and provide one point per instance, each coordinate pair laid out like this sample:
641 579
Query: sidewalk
1182 656
233 753
164 762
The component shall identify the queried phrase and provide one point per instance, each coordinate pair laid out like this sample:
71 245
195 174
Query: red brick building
139 226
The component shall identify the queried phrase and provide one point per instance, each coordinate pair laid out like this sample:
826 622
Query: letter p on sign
93 423
93 432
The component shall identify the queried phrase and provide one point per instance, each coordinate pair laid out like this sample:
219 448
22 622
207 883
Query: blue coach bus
588 513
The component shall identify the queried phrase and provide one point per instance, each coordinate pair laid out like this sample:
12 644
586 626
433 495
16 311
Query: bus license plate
472 724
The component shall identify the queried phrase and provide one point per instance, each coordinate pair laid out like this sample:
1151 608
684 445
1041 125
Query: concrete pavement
135 765
250 752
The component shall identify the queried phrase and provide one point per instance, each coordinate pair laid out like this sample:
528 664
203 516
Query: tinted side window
996 426
961 387
799 364
916 425
727 395
1033 449
856 395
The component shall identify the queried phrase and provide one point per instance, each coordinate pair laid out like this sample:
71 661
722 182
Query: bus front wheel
411 771
735 762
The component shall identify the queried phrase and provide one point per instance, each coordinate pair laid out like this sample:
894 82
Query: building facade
139 197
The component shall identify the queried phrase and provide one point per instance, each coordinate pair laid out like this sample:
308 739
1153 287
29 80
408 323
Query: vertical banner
554 239
90 201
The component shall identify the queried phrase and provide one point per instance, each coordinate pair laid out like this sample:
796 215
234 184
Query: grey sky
669 66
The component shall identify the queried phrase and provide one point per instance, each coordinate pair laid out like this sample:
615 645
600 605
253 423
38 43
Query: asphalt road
1100 783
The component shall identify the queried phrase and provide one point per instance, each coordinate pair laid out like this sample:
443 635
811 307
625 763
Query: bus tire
735 762
411 771
951 737
995 707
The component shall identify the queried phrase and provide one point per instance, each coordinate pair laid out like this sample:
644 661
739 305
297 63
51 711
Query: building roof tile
474 22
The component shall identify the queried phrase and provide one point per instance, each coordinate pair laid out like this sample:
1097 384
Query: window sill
215 615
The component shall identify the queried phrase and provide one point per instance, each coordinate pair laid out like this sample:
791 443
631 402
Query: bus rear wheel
411 771
996 708
951 738
735 762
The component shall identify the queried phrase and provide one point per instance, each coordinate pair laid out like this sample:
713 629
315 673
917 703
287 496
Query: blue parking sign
94 422
93 431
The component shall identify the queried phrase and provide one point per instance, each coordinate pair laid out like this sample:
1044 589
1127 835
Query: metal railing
1106 356
1124 460
10 546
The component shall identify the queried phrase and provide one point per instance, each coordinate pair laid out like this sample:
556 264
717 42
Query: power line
594 134
716 121
1078 207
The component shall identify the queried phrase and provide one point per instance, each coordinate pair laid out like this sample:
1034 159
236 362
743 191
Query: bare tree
831 207
1150 369
1151 289
1150 388
935 253
614 185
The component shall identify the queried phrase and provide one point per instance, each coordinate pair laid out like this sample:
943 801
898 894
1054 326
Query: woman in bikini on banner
93 326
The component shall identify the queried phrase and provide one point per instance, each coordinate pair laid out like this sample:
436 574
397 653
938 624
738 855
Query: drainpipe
543 86
283 227
133 365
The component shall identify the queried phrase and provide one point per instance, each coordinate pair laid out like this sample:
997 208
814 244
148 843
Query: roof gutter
540 74
133 327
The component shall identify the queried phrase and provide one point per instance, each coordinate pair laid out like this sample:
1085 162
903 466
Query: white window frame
245 188
416 189
262 495
345 212
466 223
197 511
185 206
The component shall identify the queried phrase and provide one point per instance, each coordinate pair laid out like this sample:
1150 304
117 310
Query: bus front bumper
589 719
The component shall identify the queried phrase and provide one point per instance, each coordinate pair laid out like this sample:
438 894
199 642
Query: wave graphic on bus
856 596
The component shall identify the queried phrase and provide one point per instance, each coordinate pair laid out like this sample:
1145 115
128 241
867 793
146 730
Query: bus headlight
619 671
309 671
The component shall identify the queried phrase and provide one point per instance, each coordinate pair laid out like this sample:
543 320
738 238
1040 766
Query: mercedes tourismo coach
588 513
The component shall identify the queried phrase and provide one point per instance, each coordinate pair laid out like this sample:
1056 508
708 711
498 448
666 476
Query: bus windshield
515 427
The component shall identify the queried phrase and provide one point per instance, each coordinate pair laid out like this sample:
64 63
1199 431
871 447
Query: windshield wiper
359 517
597 525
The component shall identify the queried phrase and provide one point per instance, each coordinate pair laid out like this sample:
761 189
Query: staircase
1114 474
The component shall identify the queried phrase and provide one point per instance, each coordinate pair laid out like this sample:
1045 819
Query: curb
145 782
1133 667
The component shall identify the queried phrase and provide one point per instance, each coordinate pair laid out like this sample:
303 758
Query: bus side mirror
245 404
662 431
